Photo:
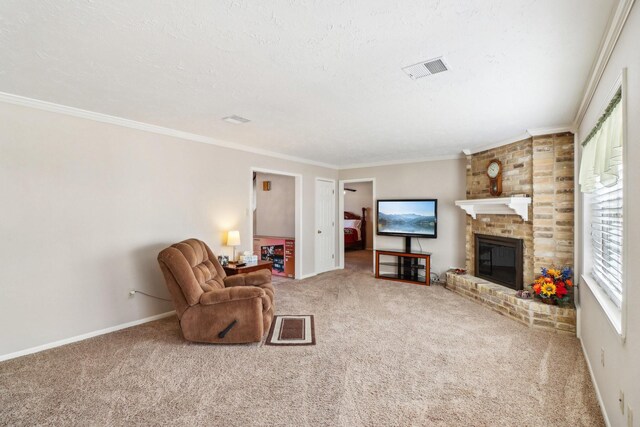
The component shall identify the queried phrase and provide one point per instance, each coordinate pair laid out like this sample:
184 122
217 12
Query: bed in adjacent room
355 230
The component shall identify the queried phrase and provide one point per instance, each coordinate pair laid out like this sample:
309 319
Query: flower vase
548 301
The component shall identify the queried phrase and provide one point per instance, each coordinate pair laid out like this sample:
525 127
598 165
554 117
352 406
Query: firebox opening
499 259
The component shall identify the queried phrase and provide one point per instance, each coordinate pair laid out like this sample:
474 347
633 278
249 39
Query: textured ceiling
320 80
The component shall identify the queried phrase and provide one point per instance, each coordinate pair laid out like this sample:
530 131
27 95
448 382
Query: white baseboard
84 336
595 386
306 276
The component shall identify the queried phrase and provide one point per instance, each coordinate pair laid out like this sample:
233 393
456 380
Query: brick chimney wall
542 168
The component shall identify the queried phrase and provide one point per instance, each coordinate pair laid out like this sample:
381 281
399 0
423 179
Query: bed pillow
352 223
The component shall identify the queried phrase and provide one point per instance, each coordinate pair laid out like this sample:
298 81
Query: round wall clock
494 172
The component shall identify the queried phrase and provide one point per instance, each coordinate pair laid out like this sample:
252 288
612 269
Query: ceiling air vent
236 120
426 68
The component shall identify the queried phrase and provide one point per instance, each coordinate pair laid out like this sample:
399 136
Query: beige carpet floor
387 354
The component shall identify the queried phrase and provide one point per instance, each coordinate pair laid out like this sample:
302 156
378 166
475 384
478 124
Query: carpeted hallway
387 354
359 260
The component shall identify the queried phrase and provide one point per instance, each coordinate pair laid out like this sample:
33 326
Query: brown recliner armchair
212 307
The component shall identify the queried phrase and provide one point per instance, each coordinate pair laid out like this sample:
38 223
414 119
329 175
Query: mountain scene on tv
406 219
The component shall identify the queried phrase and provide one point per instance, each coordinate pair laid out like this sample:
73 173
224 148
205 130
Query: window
606 239
601 178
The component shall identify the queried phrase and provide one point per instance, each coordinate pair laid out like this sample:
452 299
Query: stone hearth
503 300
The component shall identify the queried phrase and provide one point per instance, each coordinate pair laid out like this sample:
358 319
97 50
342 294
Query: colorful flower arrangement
554 286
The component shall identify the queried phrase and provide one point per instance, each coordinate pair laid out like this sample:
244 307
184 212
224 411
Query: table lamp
233 239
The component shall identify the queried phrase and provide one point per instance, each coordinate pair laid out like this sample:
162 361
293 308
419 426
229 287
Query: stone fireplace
540 167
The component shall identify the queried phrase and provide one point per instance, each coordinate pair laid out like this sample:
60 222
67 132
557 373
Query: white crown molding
146 127
88 335
526 135
401 162
551 130
508 141
608 44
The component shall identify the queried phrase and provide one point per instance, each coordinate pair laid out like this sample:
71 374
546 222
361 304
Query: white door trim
298 211
372 217
319 270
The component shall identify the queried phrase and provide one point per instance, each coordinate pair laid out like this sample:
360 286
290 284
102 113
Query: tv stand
407 244
407 265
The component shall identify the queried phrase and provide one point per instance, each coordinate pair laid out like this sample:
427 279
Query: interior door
325 225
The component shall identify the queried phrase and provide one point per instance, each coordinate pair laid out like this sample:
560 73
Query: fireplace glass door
499 260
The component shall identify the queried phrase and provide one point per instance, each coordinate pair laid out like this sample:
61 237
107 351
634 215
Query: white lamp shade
233 238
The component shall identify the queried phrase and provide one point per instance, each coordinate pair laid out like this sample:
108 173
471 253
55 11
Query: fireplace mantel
499 205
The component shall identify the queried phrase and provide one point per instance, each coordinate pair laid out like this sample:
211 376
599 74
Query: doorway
357 222
274 216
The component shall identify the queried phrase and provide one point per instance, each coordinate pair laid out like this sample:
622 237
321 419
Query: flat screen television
408 218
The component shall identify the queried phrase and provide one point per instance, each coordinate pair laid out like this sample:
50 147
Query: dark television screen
414 218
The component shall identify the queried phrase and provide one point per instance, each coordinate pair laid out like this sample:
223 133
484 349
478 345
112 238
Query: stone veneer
503 300
553 201
541 167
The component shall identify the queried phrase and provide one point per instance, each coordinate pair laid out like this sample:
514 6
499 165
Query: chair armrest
237 280
255 278
231 294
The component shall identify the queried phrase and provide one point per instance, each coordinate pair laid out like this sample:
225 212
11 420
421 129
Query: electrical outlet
132 293
602 356
621 401
629 416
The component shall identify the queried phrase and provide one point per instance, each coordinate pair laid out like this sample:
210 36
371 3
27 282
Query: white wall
275 209
444 180
87 206
621 370
361 198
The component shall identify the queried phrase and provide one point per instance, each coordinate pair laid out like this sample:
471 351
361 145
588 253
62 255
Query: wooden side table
232 270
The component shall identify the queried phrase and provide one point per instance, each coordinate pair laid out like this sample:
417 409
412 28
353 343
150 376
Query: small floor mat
292 330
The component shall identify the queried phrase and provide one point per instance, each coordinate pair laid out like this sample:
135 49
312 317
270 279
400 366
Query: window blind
606 238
